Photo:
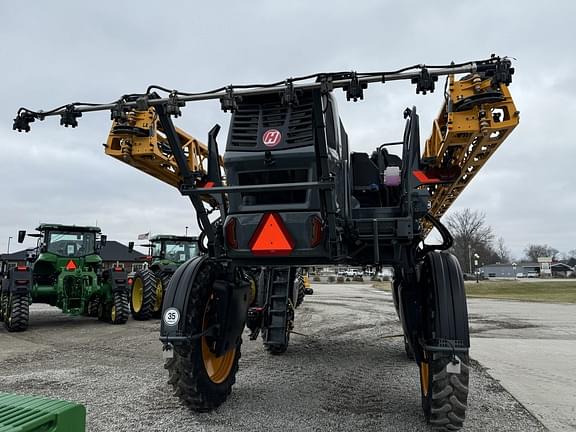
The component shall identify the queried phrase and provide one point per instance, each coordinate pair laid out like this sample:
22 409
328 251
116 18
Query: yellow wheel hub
113 314
159 295
424 377
137 294
217 368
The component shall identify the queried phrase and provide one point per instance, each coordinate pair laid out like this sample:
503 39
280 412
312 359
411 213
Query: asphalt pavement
530 348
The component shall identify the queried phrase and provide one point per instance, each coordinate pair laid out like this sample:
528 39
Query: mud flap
231 299
175 303
442 274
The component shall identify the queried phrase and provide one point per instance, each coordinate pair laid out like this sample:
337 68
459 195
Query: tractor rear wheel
120 309
3 305
201 379
161 286
93 307
17 313
300 287
143 295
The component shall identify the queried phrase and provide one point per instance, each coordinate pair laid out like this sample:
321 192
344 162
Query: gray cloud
54 53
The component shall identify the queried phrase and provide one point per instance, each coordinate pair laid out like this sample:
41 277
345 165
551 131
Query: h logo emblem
271 137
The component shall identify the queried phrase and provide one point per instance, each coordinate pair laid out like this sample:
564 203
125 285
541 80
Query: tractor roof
72 228
160 237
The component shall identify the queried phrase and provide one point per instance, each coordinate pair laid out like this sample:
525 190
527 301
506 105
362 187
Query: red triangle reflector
271 237
71 265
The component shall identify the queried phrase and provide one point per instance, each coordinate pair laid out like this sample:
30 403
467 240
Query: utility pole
470 258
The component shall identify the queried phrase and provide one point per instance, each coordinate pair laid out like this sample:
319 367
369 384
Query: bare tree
471 236
502 251
535 251
571 258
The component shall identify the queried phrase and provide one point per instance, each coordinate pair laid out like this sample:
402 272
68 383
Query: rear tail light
230 231
118 269
317 231
21 268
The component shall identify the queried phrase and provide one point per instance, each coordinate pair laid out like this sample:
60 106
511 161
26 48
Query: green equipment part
19 413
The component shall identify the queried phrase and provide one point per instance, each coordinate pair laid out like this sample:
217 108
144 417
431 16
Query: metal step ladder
279 287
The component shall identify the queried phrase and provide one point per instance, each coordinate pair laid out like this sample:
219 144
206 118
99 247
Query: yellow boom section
474 120
141 143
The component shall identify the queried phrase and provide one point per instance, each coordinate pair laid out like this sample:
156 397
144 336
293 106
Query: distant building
561 269
498 271
524 270
508 270
112 253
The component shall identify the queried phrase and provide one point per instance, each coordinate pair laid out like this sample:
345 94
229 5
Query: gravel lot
343 375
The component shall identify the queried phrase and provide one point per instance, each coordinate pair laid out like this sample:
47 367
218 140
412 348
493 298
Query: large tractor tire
17 313
161 285
300 289
199 378
143 295
444 394
120 309
3 305
444 375
93 307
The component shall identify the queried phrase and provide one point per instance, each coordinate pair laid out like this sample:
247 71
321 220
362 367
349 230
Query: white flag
143 236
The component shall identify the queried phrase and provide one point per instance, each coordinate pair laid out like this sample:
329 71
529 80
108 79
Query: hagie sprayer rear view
291 194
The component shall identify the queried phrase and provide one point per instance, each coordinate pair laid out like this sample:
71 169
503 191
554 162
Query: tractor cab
175 249
65 248
71 243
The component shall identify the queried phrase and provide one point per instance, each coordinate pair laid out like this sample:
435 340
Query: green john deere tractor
168 252
64 271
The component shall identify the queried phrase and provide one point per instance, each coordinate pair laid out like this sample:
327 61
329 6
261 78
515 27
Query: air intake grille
252 119
244 128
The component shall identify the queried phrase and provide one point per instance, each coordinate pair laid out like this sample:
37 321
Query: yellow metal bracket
474 120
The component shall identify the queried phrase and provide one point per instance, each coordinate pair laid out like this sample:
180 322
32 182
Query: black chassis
381 236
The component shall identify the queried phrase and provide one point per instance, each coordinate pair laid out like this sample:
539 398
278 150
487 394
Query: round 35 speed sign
171 316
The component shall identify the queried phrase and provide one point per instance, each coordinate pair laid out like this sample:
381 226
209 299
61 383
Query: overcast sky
54 53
